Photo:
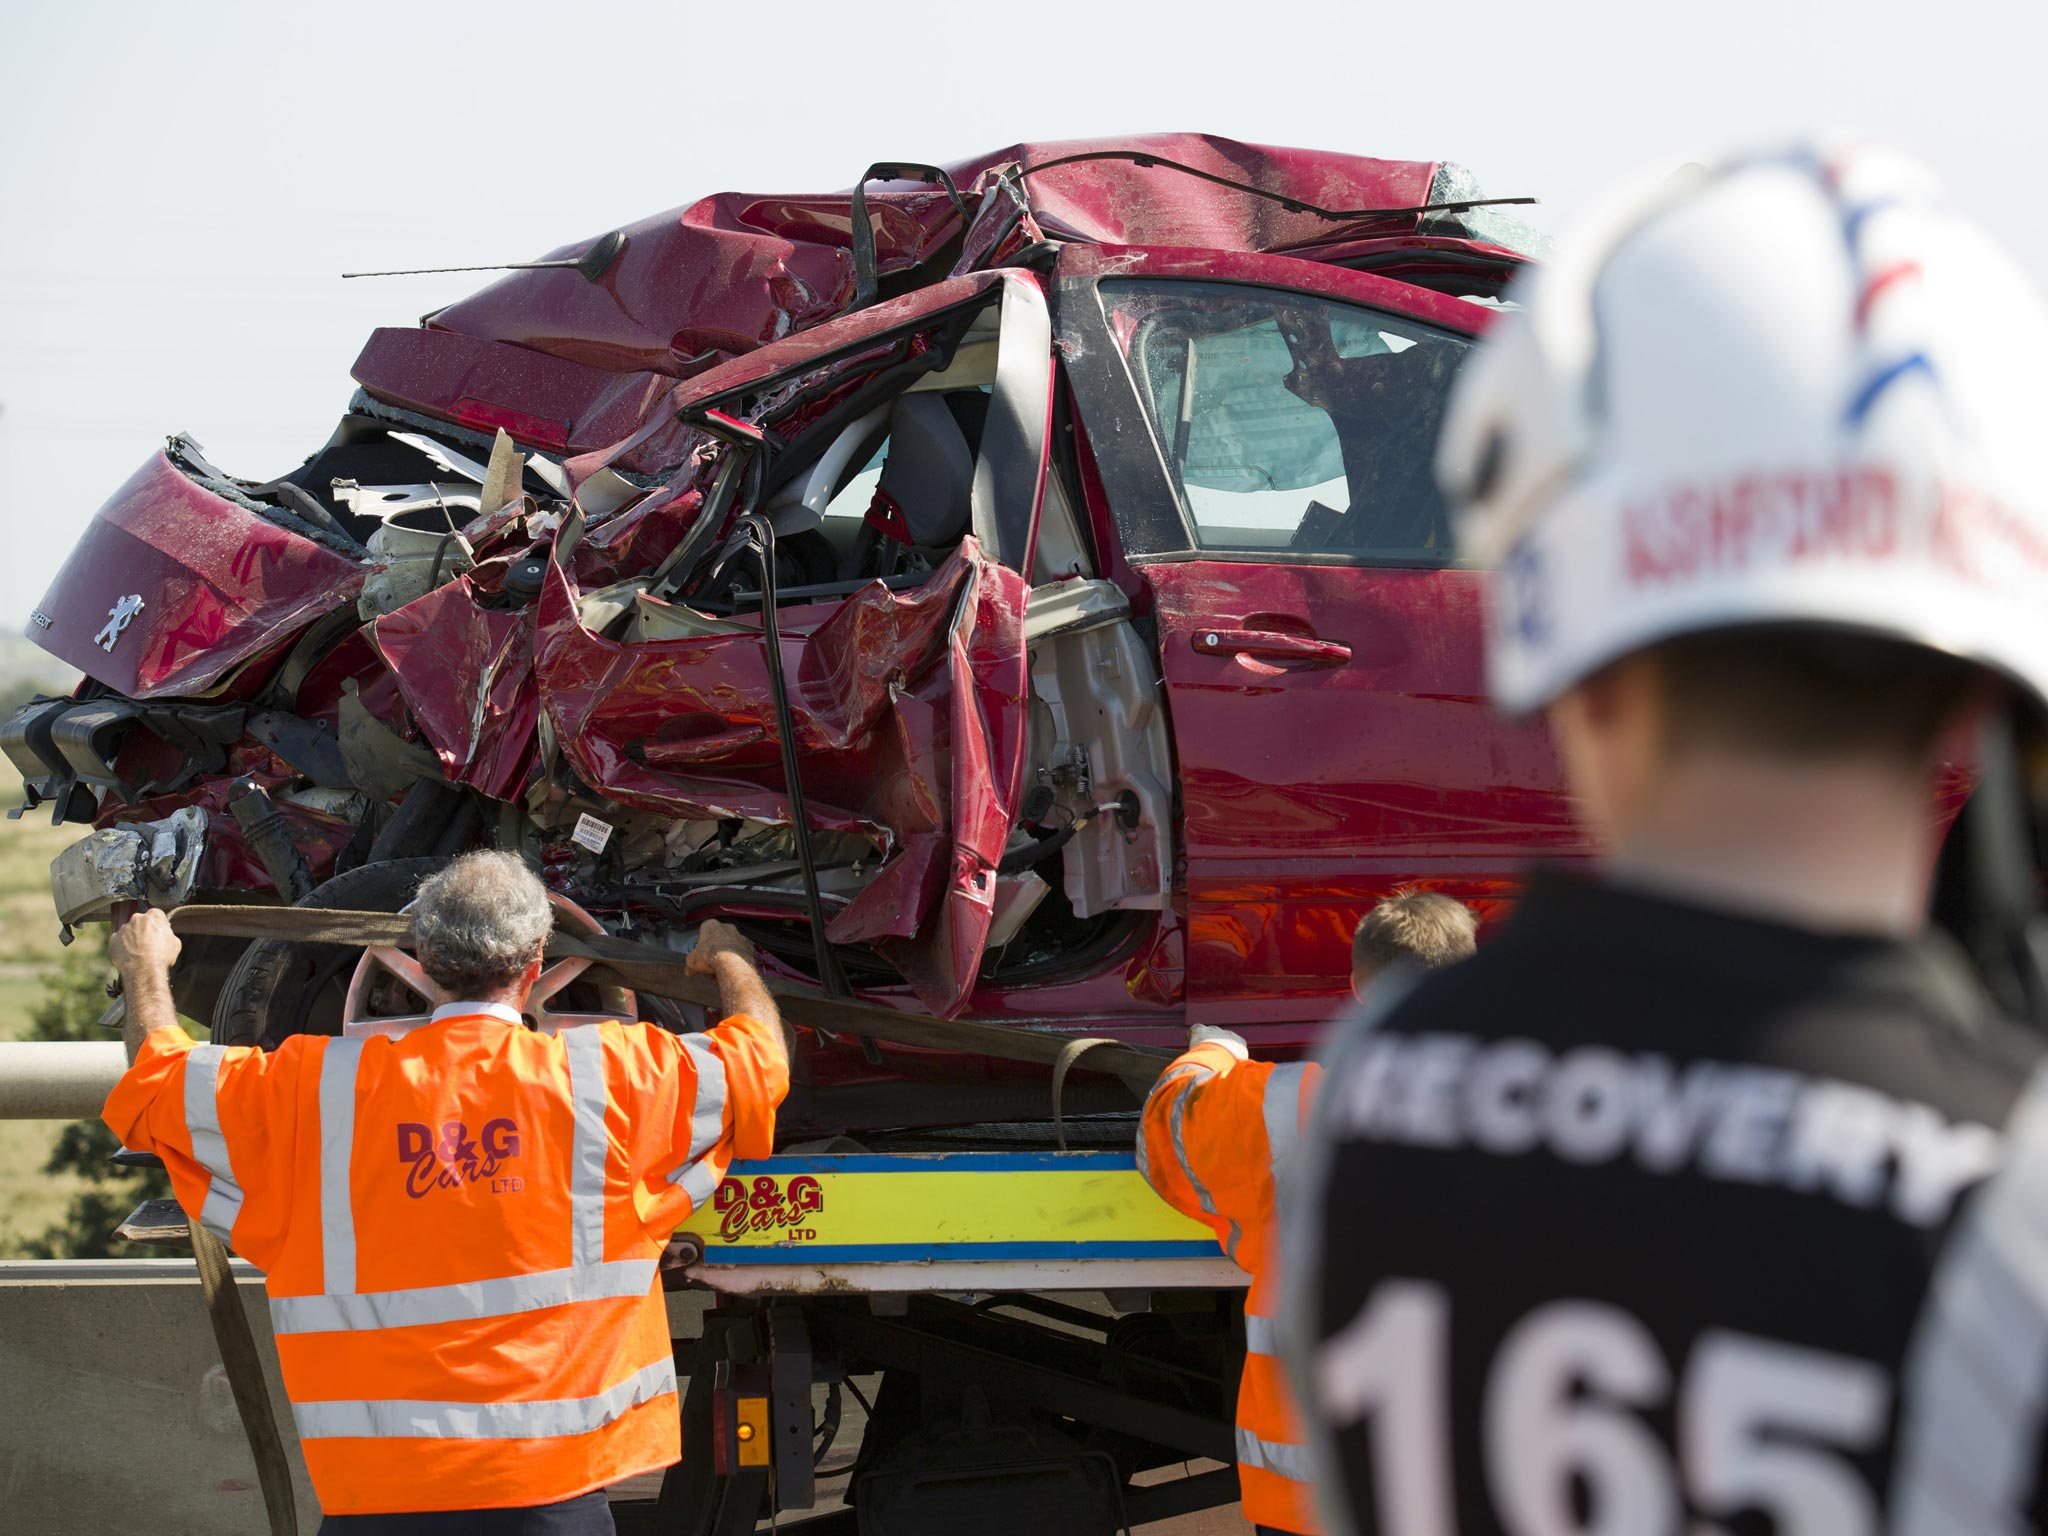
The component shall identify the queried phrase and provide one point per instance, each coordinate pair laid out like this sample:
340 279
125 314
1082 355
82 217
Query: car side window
1290 423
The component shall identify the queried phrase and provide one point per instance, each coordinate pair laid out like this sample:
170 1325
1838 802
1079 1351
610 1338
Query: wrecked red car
1015 590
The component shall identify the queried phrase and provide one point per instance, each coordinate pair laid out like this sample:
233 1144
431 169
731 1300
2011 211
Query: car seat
925 496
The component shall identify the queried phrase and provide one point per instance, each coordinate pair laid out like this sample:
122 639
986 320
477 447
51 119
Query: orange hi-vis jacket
460 1228
1219 1142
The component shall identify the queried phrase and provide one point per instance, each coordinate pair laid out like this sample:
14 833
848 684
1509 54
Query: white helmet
1795 389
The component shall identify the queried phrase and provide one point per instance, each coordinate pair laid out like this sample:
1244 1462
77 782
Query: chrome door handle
1275 644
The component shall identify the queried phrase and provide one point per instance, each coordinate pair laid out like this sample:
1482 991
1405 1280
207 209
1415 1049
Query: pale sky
182 185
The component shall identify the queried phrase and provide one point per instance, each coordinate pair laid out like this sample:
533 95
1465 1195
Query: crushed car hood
176 582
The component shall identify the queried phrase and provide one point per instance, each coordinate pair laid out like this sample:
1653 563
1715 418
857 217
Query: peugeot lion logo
119 617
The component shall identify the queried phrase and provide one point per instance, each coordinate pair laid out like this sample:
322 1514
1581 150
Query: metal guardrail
58 1079
43 1272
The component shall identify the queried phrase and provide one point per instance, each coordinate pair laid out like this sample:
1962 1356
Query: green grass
20 991
28 924
31 1201
30 952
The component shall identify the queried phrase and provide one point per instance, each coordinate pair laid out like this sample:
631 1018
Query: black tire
281 987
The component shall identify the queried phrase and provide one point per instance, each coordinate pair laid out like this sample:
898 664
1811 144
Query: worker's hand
1209 1034
740 988
715 939
143 945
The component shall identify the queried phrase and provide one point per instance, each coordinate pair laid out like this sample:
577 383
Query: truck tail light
740 1436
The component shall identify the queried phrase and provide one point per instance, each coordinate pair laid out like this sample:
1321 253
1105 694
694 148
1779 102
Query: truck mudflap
900 1223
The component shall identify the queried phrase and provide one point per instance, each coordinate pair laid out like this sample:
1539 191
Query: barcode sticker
591 833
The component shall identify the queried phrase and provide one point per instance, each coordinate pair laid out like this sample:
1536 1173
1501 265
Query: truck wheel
281 987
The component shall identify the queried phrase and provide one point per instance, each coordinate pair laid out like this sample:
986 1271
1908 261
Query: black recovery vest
1655 1220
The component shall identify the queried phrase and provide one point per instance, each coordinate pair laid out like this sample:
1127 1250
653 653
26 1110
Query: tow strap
244 1370
651 968
1070 1053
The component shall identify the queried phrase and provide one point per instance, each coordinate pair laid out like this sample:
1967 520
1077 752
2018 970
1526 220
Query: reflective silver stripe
222 1205
1180 1152
1282 1106
707 1120
209 1147
1288 1461
506 1296
541 1419
338 1063
1261 1334
1192 1072
1970 1418
699 1181
585 1048
202 1113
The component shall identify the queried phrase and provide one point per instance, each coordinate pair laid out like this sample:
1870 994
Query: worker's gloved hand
144 945
1209 1034
715 939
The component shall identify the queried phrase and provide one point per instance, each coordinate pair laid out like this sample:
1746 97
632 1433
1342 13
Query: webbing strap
650 968
245 1378
1070 1053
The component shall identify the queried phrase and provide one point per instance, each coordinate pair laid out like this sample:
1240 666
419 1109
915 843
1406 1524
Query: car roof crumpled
699 285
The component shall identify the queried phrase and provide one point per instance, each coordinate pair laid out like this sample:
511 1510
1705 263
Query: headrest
929 473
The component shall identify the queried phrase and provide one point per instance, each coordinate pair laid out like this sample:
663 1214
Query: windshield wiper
1148 162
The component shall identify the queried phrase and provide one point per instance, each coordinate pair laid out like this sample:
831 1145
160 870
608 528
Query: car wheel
280 987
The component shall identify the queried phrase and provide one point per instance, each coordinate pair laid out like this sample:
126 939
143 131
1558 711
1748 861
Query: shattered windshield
1292 423
1496 226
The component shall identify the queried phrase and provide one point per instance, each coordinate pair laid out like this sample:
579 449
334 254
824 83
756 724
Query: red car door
1264 430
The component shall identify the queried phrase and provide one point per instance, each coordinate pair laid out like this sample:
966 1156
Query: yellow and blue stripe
972 1206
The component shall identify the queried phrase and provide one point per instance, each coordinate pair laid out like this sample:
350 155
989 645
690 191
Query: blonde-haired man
1218 1142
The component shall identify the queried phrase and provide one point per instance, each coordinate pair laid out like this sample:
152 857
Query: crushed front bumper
149 861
